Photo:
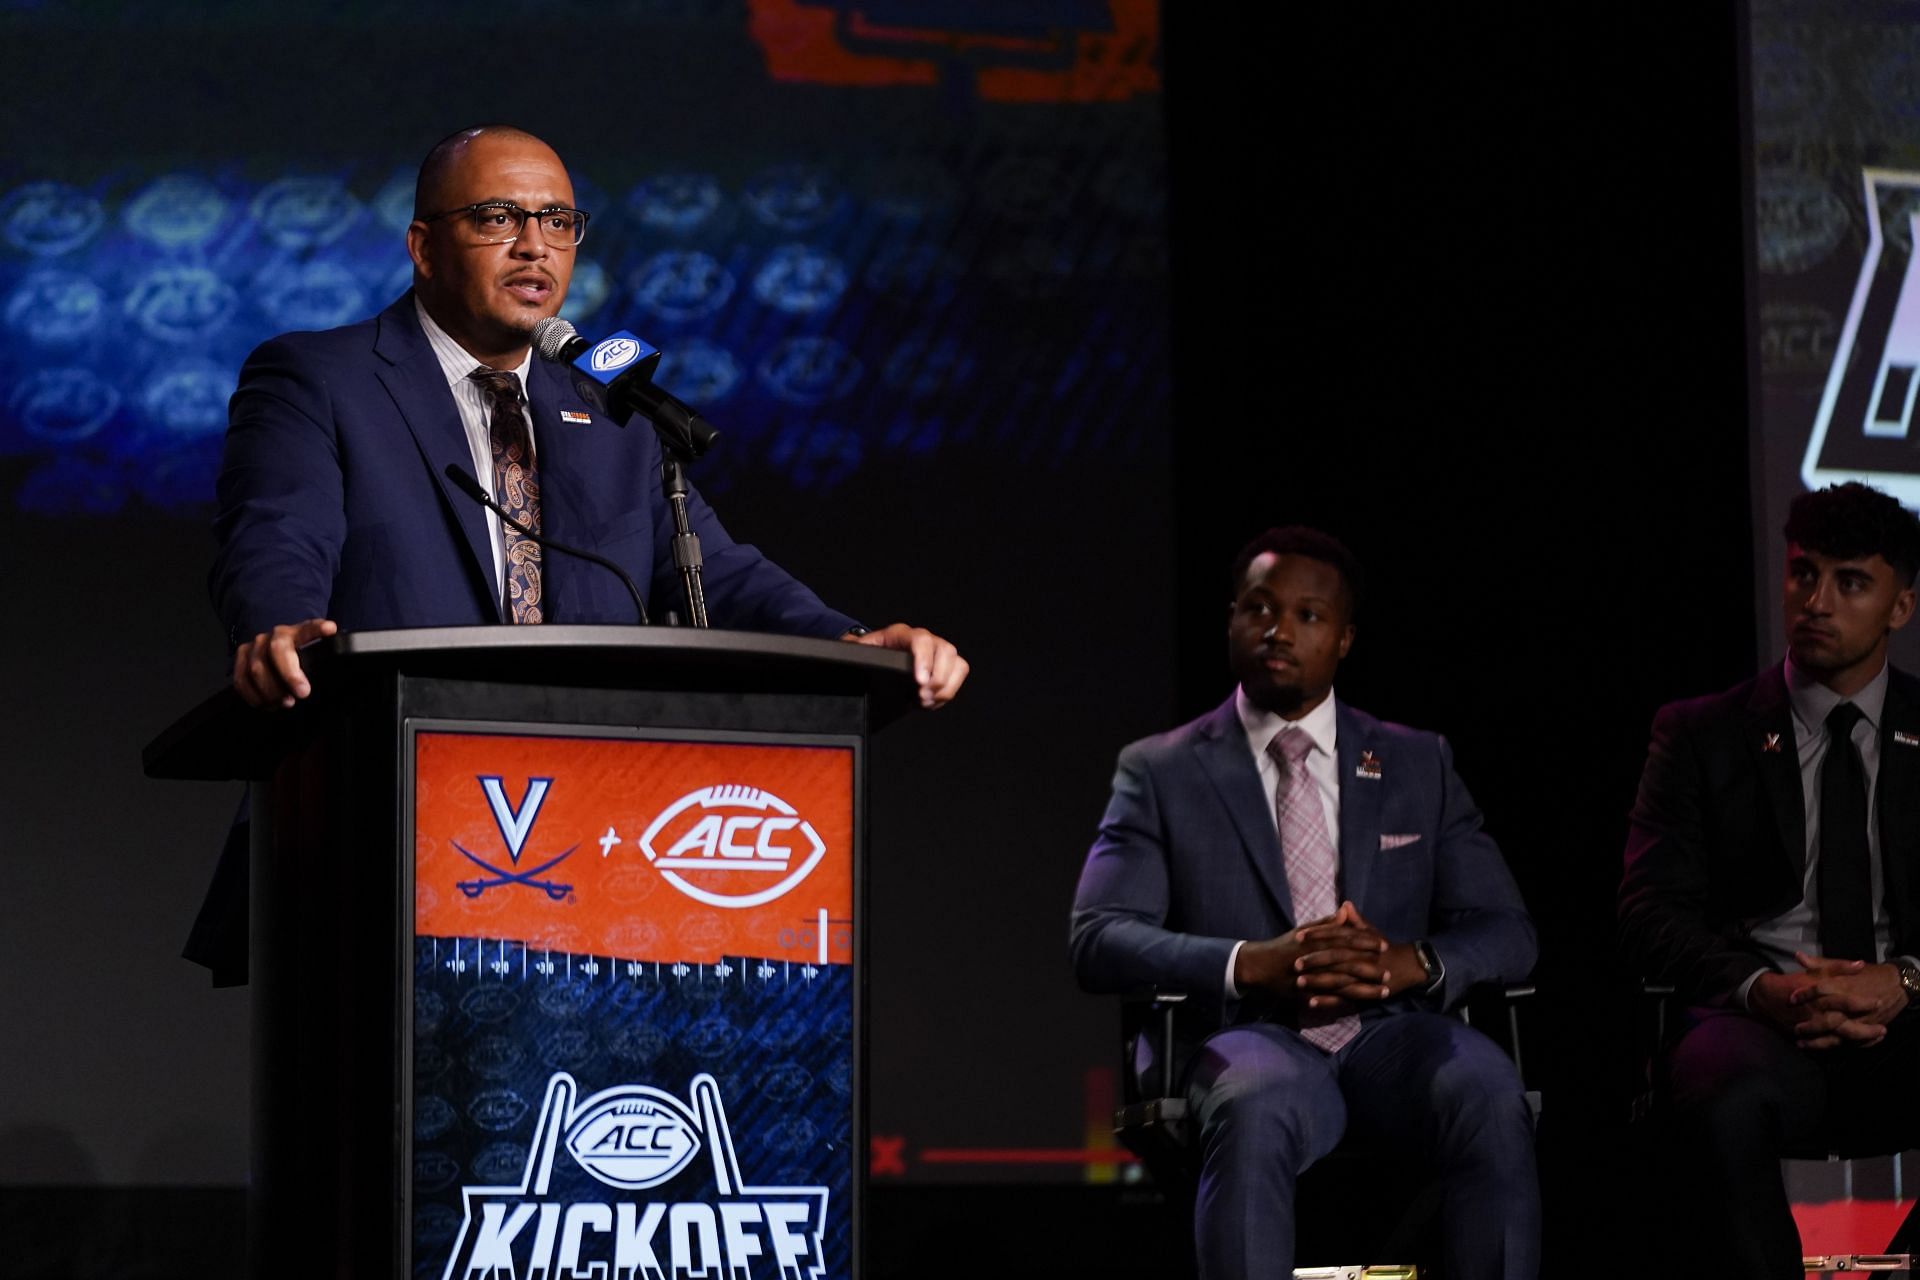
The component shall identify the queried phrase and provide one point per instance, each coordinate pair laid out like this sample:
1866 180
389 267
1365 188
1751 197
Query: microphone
617 371
463 480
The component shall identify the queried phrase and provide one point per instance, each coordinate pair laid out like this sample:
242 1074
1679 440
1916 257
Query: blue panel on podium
634 1027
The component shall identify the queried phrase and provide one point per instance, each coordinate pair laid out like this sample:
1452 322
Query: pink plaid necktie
1311 863
516 487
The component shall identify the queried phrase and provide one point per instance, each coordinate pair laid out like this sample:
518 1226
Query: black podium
557 952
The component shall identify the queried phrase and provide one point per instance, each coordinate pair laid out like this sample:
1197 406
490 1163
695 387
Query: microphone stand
686 543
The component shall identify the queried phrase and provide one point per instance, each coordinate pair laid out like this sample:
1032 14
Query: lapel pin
1369 766
1772 743
578 419
1905 739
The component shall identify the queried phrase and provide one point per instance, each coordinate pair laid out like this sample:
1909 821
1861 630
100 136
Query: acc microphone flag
617 374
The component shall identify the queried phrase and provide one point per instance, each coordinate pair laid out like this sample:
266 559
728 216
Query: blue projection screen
858 232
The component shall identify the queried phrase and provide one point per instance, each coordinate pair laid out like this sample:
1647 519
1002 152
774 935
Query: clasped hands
1331 965
1833 1003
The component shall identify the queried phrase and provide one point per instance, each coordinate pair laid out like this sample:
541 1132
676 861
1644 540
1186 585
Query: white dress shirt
456 364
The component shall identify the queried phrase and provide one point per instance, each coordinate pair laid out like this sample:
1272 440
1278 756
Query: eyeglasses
492 221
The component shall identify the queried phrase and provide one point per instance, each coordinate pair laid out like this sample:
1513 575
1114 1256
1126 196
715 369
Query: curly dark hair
1852 520
1302 540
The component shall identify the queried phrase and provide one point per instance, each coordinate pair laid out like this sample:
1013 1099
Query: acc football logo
762 835
49 218
64 405
635 1137
614 353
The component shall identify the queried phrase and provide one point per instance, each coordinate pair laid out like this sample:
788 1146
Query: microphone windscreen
551 336
464 481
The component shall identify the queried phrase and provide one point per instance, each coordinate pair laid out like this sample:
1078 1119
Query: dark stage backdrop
910 257
1490 331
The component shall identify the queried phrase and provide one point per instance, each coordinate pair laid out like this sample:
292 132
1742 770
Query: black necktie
1846 875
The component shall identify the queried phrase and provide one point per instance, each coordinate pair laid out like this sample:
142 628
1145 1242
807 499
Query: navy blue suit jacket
334 503
1188 863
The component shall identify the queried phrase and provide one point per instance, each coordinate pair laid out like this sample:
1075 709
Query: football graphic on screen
633 1136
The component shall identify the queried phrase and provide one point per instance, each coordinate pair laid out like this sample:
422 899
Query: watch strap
1430 961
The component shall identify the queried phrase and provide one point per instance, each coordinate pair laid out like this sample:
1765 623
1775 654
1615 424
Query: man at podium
335 510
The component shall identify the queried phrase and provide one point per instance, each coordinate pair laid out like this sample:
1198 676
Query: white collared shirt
1322 724
456 363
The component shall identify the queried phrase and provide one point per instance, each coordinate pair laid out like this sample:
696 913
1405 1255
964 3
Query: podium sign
555 948
632 1002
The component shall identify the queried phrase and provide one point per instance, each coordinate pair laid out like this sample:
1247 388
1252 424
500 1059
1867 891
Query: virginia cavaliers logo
516 824
735 834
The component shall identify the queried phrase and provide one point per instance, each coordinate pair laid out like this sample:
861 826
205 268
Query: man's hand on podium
266 669
938 667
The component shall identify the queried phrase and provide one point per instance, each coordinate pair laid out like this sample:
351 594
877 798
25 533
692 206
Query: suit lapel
1360 801
566 455
1898 793
1777 757
414 379
1221 748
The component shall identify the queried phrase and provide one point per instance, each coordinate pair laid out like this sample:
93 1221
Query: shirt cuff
1741 992
1232 987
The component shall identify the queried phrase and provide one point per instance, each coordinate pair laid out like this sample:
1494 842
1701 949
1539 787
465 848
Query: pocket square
1399 842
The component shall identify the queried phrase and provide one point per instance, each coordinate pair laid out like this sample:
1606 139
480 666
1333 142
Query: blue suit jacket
1188 863
334 503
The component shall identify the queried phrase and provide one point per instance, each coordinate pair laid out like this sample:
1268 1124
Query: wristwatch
1909 978
1430 961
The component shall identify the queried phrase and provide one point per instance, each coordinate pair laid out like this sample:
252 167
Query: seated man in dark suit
1773 877
1318 880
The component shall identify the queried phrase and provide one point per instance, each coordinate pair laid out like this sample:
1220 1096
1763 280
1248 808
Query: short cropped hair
1302 540
1852 521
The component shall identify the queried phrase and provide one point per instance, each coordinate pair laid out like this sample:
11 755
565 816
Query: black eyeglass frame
471 210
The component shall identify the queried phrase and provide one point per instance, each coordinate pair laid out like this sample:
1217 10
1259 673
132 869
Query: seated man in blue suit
1318 880
335 511
334 507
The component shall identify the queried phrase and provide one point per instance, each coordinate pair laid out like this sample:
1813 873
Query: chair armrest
1151 1122
1496 1010
1148 1011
